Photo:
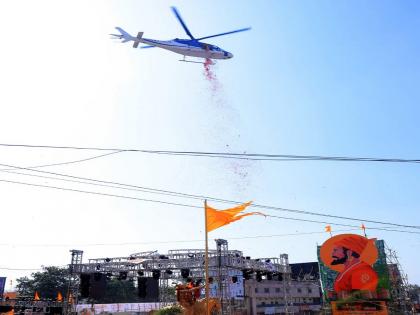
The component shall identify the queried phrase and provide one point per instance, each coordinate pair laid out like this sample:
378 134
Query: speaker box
84 285
148 289
97 286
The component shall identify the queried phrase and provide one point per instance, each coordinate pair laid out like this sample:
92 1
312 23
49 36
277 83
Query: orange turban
355 243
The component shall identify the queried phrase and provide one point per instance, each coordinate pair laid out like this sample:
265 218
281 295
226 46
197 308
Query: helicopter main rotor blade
178 16
221 34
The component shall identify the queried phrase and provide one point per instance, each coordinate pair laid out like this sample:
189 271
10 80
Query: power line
90 183
202 197
340 224
99 193
247 156
68 162
172 241
192 241
191 206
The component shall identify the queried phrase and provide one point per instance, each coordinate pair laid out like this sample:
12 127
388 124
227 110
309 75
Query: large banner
2 285
352 265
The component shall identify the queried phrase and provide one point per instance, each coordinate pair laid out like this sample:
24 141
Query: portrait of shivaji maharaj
352 256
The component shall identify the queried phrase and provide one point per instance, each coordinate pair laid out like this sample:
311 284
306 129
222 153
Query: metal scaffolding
225 270
400 297
73 286
286 277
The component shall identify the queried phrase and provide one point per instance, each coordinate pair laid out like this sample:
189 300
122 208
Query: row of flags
329 229
58 299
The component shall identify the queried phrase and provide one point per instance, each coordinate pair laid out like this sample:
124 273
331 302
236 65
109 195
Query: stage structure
226 271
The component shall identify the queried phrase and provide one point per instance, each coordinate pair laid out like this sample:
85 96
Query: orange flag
71 301
59 297
363 227
36 297
219 218
328 228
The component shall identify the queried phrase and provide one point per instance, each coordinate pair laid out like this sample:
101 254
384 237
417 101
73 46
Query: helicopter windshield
215 48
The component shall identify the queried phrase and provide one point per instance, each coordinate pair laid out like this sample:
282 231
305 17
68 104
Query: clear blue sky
316 78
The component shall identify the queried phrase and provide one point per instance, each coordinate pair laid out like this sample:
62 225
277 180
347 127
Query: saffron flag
328 228
219 218
71 300
363 227
59 297
36 297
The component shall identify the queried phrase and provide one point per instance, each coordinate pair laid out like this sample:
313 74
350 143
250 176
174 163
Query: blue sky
316 78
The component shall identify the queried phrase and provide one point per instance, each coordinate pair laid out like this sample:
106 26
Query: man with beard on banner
352 256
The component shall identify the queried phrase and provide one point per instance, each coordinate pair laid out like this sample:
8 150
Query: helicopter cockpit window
215 48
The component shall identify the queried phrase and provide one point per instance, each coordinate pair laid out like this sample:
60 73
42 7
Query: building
301 294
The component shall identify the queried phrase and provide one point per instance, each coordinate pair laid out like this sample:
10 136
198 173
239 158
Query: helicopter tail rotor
137 39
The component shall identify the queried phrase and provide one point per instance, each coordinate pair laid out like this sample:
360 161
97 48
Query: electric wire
249 156
192 206
181 241
171 241
203 197
99 193
340 224
68 162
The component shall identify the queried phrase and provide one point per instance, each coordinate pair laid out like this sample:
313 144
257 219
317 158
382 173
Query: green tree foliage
47 283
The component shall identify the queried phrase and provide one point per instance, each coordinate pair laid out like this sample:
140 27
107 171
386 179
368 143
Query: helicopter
192 47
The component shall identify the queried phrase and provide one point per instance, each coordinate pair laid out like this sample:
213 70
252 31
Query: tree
47 283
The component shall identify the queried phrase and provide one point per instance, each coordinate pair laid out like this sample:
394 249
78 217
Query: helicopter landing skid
192 61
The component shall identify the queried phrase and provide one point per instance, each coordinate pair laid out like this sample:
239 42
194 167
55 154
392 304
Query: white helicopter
186 47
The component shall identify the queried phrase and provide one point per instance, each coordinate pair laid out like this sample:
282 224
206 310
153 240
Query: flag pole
206 259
